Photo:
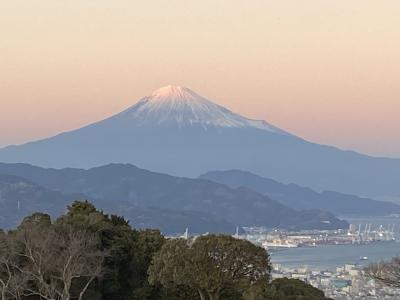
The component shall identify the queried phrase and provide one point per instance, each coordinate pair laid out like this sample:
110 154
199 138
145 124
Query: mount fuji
176 131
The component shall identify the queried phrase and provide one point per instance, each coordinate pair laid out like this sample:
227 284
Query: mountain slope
20 197
299 197
178 132
142 188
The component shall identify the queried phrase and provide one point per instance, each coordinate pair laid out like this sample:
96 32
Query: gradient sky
326 70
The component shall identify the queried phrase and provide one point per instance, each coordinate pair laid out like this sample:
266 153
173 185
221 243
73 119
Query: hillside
20 197
138 187
299 197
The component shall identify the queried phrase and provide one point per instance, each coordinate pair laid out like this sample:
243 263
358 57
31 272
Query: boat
363 258
277 244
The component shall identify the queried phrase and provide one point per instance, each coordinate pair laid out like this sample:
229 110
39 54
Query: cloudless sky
326 70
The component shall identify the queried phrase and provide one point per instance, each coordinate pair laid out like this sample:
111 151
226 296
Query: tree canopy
292 289
86 254
210 264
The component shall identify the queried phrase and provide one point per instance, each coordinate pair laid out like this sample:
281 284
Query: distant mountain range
176 131
20 197
157 200
302 198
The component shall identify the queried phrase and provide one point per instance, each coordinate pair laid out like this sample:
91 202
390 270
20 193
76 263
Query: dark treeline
88 255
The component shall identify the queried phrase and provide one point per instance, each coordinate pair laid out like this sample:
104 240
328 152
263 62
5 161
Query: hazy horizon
325 71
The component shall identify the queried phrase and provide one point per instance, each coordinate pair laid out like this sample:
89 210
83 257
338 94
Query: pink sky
328 71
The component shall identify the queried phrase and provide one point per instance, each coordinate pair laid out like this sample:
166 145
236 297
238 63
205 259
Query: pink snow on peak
173 93
179 105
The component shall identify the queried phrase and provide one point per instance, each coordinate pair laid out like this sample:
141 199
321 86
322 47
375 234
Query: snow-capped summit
172 91
179 105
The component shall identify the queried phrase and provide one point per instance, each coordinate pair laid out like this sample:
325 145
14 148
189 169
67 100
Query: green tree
210 264
84 215
147 244
129 252
37 220
292 289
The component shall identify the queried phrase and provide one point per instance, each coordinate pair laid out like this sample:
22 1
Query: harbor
334 261
276 239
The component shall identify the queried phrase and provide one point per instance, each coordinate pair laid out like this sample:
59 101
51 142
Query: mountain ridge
299 197
133 186
20 197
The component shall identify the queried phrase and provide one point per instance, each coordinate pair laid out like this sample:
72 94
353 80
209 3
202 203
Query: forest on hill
87 254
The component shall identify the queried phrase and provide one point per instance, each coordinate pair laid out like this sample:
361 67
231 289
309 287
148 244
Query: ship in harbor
278 244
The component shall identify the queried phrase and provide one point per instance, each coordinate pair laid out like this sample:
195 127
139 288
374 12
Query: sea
329 257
